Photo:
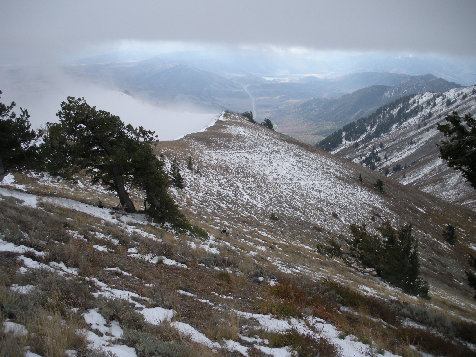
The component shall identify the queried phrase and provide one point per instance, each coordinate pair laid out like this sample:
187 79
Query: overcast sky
32 30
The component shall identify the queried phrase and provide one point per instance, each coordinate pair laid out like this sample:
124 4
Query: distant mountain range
400 140
321 116
165 82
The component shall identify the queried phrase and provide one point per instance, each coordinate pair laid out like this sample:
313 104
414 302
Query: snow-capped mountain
401 141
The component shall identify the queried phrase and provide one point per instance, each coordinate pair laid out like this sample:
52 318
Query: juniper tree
459 150
379 186
470 275
91 140
249 116
16 139
177 178
111 153
449 234
393 255
268 124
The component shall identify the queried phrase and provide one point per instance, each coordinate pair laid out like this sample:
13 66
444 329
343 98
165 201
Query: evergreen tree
190 163
177 178
249 116
394 256
470 275
111 153
268 124
16 139
91 140
366 247
149 175
449 234
460 149
379 186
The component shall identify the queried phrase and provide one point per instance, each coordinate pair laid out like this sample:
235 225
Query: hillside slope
401 140
256 284
323 116
246 173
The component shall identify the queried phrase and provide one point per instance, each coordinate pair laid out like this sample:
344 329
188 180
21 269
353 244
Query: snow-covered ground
245 172
254 173
412 144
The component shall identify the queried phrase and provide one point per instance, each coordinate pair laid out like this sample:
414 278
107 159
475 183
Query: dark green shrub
449 234
394 255
249 116
280 308
379 186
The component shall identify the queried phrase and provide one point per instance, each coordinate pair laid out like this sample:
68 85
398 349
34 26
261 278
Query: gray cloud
44 30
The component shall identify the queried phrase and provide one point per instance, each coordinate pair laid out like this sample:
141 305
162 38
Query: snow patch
110 333
157 315
28 199
14 328
194 335
22 289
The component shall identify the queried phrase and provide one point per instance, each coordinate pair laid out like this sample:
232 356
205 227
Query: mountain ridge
324 116
401 139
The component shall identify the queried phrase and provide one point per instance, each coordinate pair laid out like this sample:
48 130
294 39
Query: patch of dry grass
51 335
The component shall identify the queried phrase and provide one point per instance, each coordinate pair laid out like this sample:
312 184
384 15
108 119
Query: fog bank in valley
41 92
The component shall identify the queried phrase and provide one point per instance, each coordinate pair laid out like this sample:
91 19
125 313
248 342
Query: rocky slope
401 140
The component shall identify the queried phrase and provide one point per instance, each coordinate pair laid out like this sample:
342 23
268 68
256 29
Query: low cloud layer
42 93
34 30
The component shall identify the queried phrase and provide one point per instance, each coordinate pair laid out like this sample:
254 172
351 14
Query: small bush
350 298
224 276
280 308
438 321
148 345
122 311
160 298
288 291
62 293
11 345
379 186
50 335
304 345
17 307
332 250
223 326
217 260
98 352
433 344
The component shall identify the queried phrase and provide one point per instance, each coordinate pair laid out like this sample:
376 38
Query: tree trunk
124 198
3 172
